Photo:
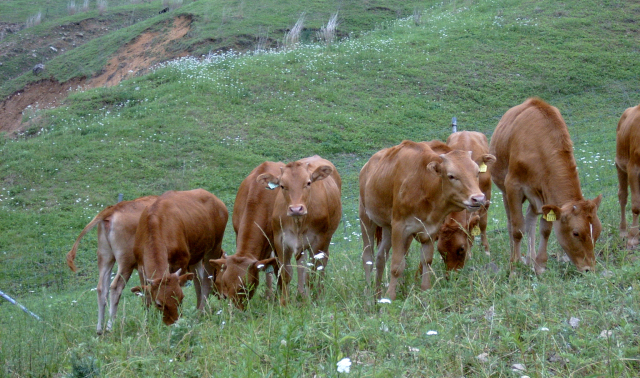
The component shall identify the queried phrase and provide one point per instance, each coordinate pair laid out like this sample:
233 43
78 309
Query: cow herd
433 192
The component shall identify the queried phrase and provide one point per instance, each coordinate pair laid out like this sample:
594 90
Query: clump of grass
102 6
71 7
261 44
175 4
34 20
327 33
417 17
292 37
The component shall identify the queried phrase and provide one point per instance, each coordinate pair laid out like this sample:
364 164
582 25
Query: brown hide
237 275
478 144
117 226
535 163
408 190
628 167
306 213
176 233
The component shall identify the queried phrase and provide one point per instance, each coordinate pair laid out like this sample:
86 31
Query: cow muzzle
475 202
297 210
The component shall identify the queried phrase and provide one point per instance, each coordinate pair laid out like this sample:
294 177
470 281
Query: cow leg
106 261
483 229
199 281
285 272
125 269
426 258
513 204
382 255
368 229
623 194
301 267
634 183
400 242
540 263
530 229
269 282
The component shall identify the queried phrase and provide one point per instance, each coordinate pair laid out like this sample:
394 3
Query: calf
117 226
237 275
306 213
535 163
628 167
478 144
408 190
175 234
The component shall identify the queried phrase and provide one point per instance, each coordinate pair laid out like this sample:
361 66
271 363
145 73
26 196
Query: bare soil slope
135 58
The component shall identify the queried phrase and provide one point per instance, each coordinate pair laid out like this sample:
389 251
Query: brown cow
478 144
305 215
237 275
174 235
628 167
116 233
535 162
408 190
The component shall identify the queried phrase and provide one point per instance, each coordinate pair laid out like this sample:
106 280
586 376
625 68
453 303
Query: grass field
207 122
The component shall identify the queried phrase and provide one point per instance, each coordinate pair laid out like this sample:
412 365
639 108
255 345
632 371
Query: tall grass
292 37
327 33
34 20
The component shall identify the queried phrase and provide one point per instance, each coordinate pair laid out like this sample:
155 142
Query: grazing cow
306 213
116 233
535 163
628 167
455 240
237 275
478 144
175 234
408 190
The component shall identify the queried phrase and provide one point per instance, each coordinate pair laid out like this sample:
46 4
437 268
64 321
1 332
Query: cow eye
282 187
451 177
309 183
576 233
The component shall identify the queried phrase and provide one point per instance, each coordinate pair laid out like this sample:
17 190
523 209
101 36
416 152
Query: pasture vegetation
207 122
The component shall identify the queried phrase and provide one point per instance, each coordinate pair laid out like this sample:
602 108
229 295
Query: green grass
208 123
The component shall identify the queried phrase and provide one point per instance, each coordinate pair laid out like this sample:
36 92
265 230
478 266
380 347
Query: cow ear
551 212
182 280
488 159
435 167
140 289
265 264
473 222
218 264
596 201
321 173
268 180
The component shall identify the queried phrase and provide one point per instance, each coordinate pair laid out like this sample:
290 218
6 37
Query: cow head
459 175
455 240
166 294
577 228
237 277
295 183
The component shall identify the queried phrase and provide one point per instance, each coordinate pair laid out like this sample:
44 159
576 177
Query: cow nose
477 200
297 210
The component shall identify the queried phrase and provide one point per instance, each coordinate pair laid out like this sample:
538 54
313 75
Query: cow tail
378 235
72 253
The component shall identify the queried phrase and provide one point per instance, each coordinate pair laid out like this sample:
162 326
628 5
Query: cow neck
156 259
437 205
562 183
251 239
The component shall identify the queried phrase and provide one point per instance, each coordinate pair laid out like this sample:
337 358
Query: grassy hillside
207 122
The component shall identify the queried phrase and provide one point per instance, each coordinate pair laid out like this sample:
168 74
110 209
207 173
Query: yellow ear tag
483 167
475 231
550 217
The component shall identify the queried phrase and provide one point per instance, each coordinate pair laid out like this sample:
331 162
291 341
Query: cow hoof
632 243
539 270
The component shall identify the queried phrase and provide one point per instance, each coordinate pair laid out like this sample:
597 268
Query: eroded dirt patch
44 94
135 58
142 53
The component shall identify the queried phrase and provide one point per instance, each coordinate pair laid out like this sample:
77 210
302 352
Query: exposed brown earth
132 59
